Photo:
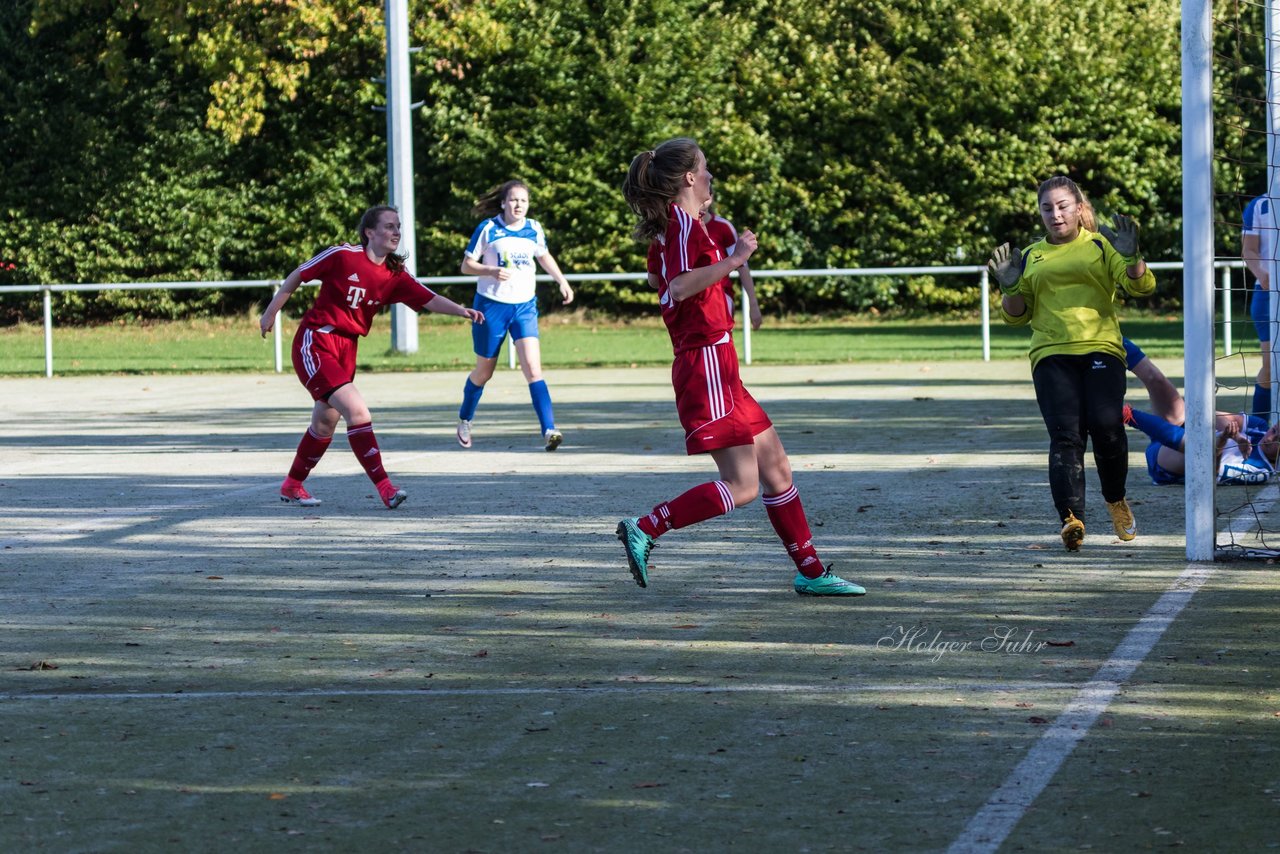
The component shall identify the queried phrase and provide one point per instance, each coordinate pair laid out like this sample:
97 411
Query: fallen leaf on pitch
214 577
647 785
277 796
1036 719
686 626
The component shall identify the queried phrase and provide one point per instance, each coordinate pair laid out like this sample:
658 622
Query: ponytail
653 181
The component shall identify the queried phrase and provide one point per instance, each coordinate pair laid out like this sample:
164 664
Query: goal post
1197 281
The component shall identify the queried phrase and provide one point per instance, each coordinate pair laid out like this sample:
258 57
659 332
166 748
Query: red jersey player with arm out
668 188
355 283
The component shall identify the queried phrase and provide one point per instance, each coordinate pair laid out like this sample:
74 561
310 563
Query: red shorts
323 360
715 410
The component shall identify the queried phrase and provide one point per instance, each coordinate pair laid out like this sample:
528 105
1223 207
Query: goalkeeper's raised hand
1124 238
1005 266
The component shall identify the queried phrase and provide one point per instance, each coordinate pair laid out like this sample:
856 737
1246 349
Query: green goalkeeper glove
1124 238
1005 266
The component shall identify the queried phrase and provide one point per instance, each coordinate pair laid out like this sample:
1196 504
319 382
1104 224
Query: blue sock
470 400
1157 428
542 404
1132 354
1262 401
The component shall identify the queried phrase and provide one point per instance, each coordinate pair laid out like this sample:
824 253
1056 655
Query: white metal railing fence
1223 266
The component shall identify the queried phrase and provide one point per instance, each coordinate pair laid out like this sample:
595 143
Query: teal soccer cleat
638 545
827 585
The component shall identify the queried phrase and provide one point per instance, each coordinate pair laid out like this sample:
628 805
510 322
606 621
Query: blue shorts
1160 476
520 319
1260 311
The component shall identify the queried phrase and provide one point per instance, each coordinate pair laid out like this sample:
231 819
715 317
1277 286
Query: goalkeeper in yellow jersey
1065 285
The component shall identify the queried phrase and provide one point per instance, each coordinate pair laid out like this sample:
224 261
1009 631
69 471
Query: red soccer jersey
723 233
653 263
353 289
703 318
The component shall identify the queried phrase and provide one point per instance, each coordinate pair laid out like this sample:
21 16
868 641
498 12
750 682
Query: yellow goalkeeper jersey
1070 291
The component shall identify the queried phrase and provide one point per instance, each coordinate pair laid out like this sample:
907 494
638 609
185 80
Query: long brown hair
490 203
653 180
1088 219
394 262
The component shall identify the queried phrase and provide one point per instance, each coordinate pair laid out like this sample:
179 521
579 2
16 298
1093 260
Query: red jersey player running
667 188
355 283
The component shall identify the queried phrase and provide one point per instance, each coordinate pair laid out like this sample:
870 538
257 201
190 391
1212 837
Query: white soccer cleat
464 432
553 438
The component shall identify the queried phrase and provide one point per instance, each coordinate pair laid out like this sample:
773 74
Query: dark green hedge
875 133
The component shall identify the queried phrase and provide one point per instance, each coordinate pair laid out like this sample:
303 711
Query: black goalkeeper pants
1079 397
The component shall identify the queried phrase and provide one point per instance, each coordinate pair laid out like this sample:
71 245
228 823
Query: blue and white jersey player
501 253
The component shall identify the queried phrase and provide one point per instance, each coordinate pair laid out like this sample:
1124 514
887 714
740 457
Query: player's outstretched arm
268 319
443 305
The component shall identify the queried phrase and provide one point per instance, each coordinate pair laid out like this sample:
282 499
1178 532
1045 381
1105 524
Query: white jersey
1235 467
1259 219
497 244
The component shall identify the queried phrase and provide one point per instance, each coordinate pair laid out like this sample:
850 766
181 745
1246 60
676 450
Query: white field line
993 823
574 691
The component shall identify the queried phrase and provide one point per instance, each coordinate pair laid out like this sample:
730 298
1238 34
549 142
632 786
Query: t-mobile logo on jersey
355 296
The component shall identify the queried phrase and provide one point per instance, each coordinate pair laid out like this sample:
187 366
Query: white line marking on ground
587 690
992 824
988 829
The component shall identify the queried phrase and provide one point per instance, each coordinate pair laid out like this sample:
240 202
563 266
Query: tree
201 139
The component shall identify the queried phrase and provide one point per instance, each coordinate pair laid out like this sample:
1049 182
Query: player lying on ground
1245 450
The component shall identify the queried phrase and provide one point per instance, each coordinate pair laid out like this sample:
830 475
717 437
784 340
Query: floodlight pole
1197 280
404 322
